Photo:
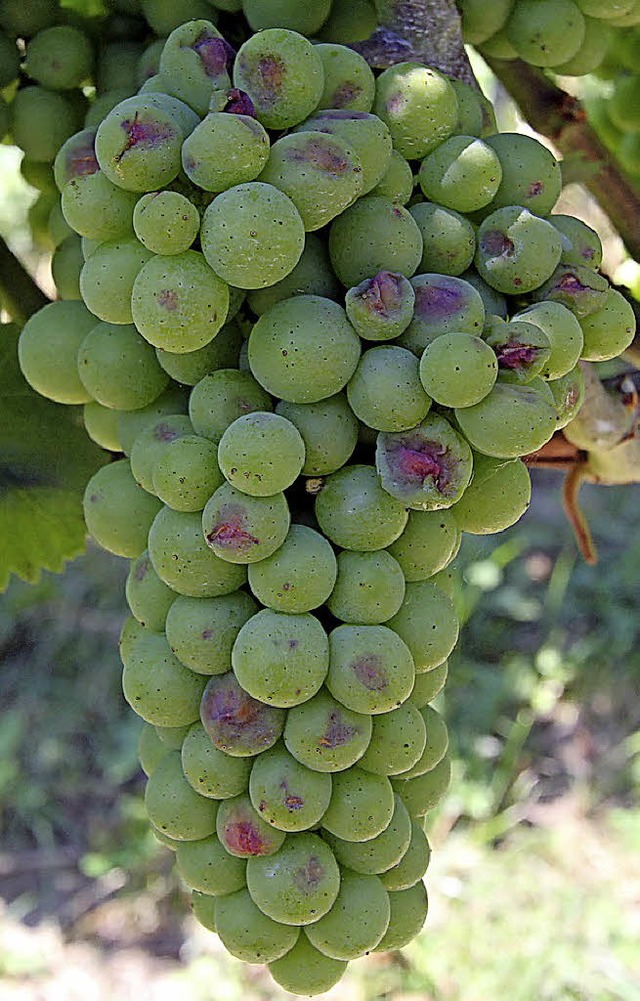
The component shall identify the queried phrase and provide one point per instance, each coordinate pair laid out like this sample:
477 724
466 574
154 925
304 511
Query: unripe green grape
580 243
299 576
397 182
422 794
463 173
101 424
516 251
66 265
458 370
427 623
174 807
211 772
9 60
205 866
59 58
435 747
225 150
329 430
108 276
303 349
243 832
511 421
326 736
282 73
150 749
201 631
374 235
476 116
568 393
426 468
102 104
349 21
361 805
381 308
202 907
190 367
498 496
75 158
148 62
605 9
597 39
116 65
348 80
117 511
96 208
48 350
173 736
428 685
248 934
522 349
371 668
306 970
158 687
448 238
408 915
428 543
494 302
443 305
118 368
630 19
130 633
194 61
186 473
41 121
261 454
312 275
241 529
386 392
357 920
398 741
546 32
378 854
480 22
418 105
221 397
563 331
38 217
364 133
166 222
288 795
235 722
132 422
38 175
184 561
5 118
609 330
252 235
369 588
298 884
531 174
128 145
150 444
355 512
148 598
413 864
305 19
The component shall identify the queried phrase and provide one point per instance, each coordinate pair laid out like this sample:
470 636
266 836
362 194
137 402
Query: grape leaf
45 460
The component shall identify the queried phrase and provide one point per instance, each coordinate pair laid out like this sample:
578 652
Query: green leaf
46 459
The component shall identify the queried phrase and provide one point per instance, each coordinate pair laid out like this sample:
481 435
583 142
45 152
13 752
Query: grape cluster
323 317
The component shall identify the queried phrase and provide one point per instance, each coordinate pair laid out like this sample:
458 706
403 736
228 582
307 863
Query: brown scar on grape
337 732
317 155
370 673
307 877
148 133
229 531
345 93
243 836
215 53
291 801
497 244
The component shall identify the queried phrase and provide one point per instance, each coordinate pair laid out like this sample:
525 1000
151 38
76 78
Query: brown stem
572 483
19 294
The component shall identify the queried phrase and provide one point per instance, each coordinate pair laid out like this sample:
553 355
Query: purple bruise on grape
521 349
334 115
370 673
345 94
236 722
290 801
147 133
215 53
308 877
381 307
266 75
78 157
229 531
243 833
337 732
168 299
320 156
497 244
427 468
579 288
239 103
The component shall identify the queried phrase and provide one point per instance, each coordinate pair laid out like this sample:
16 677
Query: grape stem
19 294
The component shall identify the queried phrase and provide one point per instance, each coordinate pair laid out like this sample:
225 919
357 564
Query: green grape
282 74
41 121
103 103
242 529
59 58
298 884
252 235
186 473
148 598
480 22
511 421
312 275
609 330
530 172
303 349
381 308
150 444
235 722
132 422
299 576
435 748
546 32
225 150
408 914
427 623
261 454
38 175
369 588
174 807
325 736
458 370
306 970
130 633
356 922
443 305
96 208
281 659
173 736
498 496
48 350
184 561
108 275
419 106
476 116
605 9
138 144
428 543
287 794
201 631
580 289
75 158
243 832
349 21
363 133
397 181
569 393
286 14
118 368
386 392
522 349
247 933
563 331
151 749
320 173
494 302
463 173
378 854
66 265
355 512
428 685
398 741
101 424
425 791
448 239
221 397
117 511
177 302
348 80
207 867
329 430
516 251
194 60
374 235
426 468
148 62
157 686
190 367
203 908
166 222
211 772
413 864
580 244
361 805
371 669
9 60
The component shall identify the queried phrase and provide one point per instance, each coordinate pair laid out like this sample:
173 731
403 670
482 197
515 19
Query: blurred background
534 883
